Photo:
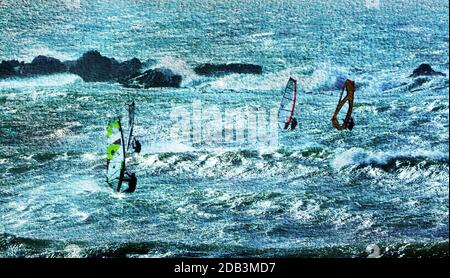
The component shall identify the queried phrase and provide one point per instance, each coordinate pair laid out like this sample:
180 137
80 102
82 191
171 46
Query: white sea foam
359 156
80 214
305 212
89 156
325 77
89 185
263 34
178 66
41 81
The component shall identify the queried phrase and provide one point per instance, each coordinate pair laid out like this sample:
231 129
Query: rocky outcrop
93 67
425 70
222 69
41 65
10 68
160 77
128 69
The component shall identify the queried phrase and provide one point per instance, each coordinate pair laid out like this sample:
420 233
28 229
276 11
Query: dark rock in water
220 69
10 68
160 77
69 64
425 70
43 65
93 67
128 69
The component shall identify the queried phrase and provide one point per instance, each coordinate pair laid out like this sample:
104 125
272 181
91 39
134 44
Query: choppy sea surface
316 193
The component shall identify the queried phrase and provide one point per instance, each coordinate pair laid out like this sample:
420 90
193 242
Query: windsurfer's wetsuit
137 146
351 123
293 123
132 182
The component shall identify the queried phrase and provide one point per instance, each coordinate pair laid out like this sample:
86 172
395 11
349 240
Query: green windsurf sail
115 155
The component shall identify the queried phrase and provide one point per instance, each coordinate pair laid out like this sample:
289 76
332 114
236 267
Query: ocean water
316 193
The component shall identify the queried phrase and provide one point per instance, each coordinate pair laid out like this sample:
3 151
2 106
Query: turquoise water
317 193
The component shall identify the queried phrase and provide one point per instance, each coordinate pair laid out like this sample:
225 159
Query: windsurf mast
131 113
122 168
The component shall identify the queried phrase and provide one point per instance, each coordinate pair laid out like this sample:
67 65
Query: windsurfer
351 124
293 123
132 182
136 145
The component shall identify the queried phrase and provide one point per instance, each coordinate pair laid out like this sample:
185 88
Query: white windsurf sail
115 154
287 106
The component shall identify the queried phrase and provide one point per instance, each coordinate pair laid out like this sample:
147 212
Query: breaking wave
359 158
